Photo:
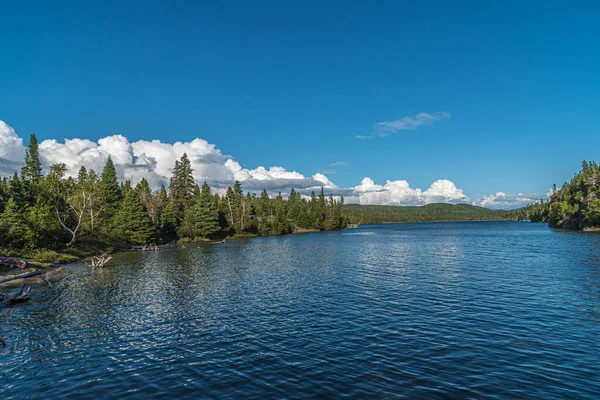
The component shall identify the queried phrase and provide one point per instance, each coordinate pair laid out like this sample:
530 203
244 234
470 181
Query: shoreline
76 255
79 256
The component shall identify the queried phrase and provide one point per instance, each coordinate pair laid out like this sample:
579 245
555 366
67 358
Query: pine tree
33 166
264 204
168 221
14 231
201 219
110 185
182 186
145 195
132 221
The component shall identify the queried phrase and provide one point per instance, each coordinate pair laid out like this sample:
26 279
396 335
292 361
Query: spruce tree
110 185
182 186
14 229
209 214
32 170
132 220
201 219
280 224
168 222
145 195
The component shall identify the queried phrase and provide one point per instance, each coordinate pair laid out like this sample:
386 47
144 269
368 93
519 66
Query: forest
370 214
576 205
43 214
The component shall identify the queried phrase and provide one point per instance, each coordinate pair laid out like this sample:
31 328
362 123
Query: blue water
484 310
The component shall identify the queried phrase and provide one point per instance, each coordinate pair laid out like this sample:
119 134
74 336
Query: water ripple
455 310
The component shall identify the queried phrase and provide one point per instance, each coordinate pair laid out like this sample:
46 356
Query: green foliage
182 186
577 204
110 185
40 215
132 222
537 212
201 219
368 214
15 232
32 171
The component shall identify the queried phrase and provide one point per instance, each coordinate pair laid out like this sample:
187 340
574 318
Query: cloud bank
154 161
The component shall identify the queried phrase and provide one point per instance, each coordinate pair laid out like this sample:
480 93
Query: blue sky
294 84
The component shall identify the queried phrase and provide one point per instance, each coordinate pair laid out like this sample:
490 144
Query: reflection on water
494 309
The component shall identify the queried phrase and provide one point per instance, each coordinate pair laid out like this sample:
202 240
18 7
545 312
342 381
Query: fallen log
20 276
6 300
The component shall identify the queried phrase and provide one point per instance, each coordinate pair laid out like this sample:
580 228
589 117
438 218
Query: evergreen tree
132 221
168 222
110 185
56 210
182 186
280 223
145 194
330 220
33 166
201 219
14 231
17 191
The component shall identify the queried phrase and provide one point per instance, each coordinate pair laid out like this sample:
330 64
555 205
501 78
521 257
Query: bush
50 256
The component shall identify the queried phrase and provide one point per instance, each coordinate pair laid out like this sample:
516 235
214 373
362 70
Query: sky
488 103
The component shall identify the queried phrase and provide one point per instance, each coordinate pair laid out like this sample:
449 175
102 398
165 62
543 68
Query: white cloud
504 201
409 123
385 128
338 163
154 160
400 193
12 151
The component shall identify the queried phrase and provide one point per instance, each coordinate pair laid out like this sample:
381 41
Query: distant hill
428 213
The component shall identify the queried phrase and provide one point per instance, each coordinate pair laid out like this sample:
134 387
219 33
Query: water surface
489 309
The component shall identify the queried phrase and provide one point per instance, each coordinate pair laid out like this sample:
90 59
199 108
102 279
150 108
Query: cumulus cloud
12 151
400 193
385 128
154 160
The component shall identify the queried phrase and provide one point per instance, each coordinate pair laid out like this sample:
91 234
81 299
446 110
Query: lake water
484 310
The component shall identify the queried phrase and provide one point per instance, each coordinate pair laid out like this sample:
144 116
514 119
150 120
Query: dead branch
99 261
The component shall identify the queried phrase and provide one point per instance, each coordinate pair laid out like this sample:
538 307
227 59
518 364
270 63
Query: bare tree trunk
230 211
94 215
73 231
243 205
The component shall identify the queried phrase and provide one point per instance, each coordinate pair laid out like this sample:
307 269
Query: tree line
374 214
54 211
576 205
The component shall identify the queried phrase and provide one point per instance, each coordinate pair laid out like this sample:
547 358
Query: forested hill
576 205
428 213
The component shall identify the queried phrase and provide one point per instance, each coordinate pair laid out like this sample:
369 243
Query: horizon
149 160
387 105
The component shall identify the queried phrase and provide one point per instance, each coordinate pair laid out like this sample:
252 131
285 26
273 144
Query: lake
428 310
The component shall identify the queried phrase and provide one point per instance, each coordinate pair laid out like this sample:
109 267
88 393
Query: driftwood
7 300
20 276
99 261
